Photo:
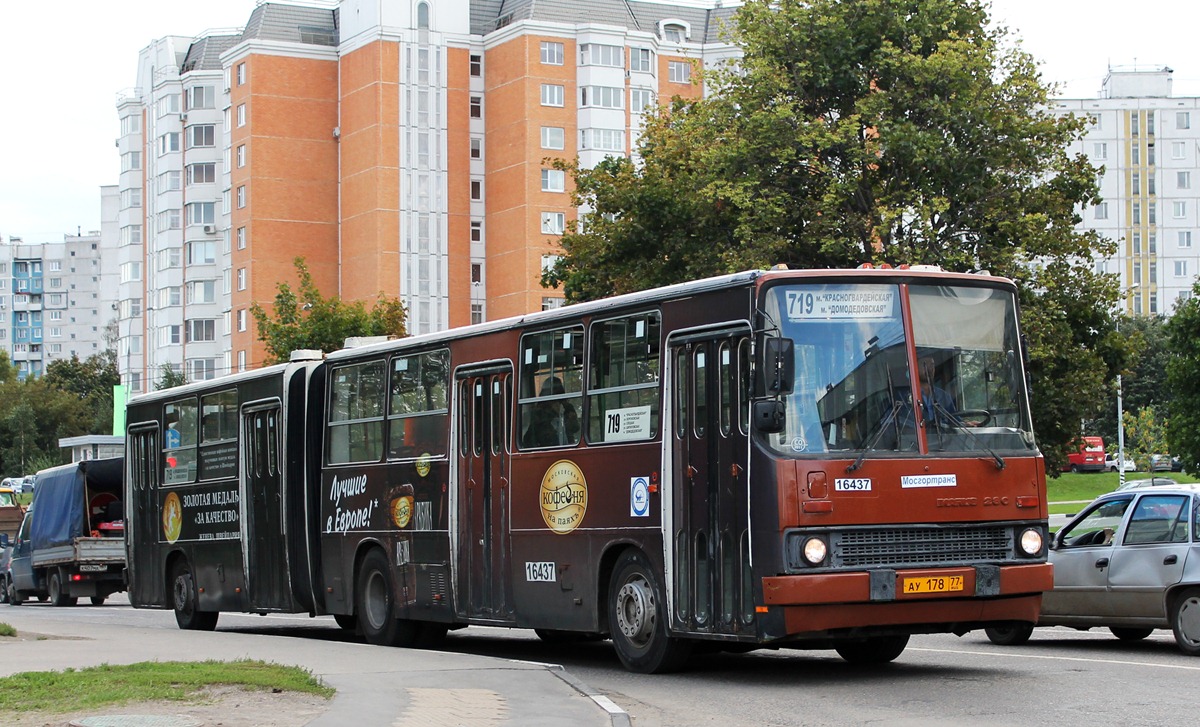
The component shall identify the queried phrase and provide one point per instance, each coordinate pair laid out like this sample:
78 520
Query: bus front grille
908 546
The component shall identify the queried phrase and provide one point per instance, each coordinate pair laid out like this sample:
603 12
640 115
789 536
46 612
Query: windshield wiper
939 409
891 419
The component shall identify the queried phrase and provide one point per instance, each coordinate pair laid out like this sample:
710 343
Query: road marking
1119 662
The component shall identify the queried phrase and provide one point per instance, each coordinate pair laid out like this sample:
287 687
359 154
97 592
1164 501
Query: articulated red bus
812 459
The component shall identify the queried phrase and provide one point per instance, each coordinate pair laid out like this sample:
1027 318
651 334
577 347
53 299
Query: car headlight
1031 541
815 551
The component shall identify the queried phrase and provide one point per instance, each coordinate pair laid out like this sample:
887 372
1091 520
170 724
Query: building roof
205 53
489 15
292 24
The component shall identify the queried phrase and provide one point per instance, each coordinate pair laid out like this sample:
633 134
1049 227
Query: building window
476 147
674 32
170 181
201 135
241 279
202 213
1179 210
241 155
203 173
1185 238
1179 150
202 252
679 72
476 107
553 223
131 198
641 60
241 196
1152 213
1181 268
1150 154
168 143
1183 120
1100 151
640 99
602 139
551 303
476 189
201 330
1137 243
476 313
595 54
202 369
553 137
241 73
603 97
1153 241
241 238
1135 183
1134 123
476 65
170 335
1183 180
241 319
476 232
1137 213
201 291
552 95
200 97
423 16
551 53
131 125
132 160
241 115
554 180
168 104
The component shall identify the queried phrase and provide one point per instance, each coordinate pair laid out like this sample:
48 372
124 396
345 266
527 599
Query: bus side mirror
769 416
778 366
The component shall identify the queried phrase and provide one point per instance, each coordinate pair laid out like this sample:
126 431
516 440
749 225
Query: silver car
1130 562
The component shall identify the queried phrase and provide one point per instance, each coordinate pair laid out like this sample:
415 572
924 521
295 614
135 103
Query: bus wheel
1185 621
376 605
874 650
347 621
97 600
638 619
57 596
185 601
1012 634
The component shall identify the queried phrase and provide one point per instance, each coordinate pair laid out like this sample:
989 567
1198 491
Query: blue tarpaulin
62 497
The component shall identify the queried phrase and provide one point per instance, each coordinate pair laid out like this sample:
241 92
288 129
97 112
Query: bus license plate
933 584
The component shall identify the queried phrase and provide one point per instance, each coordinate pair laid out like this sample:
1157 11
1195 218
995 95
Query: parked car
1110 463
1147 482
1161 462
1130 563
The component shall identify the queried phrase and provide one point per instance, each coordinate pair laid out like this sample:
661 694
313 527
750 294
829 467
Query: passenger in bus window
553 422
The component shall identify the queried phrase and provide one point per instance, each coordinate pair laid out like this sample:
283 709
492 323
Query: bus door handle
503 483
1171 560
470 483
691 472
1102 563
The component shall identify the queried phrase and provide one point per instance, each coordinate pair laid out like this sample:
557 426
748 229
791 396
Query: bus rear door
264 541
142 511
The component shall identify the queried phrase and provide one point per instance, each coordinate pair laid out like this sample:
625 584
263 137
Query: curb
617 716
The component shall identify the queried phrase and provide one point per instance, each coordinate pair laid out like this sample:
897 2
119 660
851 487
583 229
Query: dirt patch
220 706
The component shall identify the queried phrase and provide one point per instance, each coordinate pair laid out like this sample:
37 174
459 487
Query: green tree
35 416
1183 371
308 320
92 380
169 378
878 131
1145 434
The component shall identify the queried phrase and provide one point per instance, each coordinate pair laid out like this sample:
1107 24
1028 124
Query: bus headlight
1031 541
815 551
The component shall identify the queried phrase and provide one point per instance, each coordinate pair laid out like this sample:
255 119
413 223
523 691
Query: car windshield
853 382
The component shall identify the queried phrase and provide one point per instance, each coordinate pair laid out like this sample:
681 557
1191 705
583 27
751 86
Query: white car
1110 463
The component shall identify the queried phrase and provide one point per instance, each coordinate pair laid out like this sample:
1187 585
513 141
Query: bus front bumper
882 597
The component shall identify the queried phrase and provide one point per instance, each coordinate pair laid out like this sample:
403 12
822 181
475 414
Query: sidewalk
375 685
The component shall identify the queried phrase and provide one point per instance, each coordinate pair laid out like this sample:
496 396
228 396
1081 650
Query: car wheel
875 650
1013 634
15 597
3 590
186 603
1185 621
1125 633
1075 469
376 604
57 596
637 615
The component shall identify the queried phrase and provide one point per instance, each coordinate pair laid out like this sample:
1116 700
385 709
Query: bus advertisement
786 459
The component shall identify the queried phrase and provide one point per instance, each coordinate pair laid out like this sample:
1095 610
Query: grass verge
79 689
1090 485
7 630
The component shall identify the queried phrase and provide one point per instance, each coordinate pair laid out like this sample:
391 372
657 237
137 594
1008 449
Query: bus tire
58 597
637 617
1010 634
186 602
1129 633
375 604
873 650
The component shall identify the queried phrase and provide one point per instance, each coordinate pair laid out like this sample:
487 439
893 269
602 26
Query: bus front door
143 512
484 399
263 538
710 558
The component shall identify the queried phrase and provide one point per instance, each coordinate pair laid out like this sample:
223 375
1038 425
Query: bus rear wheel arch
185 599
375 605
638 619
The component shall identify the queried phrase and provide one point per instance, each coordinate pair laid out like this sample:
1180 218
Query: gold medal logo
423 464
402 508
563 496
172 517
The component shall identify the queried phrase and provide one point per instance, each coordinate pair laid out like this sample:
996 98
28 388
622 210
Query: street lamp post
1120 404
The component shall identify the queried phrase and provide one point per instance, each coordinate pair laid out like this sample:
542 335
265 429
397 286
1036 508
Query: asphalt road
1060 677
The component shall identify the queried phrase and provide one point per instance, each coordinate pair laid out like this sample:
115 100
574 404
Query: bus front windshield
854 385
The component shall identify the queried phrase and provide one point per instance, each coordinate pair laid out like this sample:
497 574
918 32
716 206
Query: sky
63 64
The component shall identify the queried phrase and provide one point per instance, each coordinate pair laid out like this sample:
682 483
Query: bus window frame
589 390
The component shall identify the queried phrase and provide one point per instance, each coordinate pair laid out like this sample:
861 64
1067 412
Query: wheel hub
636 613
1189 620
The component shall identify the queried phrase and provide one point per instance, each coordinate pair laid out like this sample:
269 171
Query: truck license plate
933 584
92 567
